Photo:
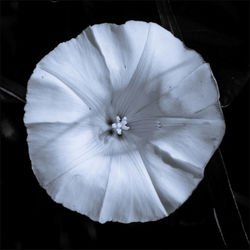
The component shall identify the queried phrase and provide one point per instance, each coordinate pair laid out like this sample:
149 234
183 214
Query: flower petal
191 140
130 195
173 179
82 189
56 148
194 93
164 60
79 64
49 100
121 47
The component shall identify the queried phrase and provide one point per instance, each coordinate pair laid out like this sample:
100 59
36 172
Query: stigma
120 125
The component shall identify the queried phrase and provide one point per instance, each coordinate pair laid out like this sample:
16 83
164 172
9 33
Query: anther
120 125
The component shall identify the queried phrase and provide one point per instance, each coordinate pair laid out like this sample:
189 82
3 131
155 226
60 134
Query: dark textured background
219 31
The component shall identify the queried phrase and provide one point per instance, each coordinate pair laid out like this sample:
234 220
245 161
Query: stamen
120 125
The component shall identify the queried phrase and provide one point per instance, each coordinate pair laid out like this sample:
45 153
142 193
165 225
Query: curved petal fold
173 179
193 141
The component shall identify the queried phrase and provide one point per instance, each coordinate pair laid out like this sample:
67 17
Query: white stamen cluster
120 125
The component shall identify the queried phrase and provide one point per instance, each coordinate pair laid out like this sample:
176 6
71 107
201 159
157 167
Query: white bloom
121 122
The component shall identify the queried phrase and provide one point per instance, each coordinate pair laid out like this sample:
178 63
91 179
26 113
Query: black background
218 30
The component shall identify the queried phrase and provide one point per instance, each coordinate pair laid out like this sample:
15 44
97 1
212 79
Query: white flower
122 121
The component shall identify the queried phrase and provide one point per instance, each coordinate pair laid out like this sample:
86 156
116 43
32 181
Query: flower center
120 125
